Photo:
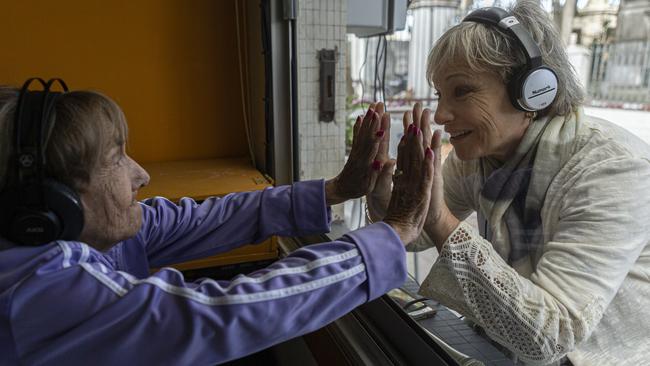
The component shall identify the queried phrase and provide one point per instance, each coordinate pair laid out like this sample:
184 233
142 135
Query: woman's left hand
440 221
360 172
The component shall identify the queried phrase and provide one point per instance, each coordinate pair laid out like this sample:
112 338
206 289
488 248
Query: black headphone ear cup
65 204
24 224
514 89
35 225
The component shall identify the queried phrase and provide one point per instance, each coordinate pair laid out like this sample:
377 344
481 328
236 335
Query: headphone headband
510 25
31 128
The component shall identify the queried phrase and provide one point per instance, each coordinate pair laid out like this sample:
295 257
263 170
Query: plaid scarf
513 192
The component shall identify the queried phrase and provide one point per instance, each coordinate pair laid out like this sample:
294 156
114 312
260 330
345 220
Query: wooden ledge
200 179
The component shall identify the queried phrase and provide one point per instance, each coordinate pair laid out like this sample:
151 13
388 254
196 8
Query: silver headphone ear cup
538 89
530 91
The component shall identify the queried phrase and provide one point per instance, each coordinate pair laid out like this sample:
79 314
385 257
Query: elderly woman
87 297
560 267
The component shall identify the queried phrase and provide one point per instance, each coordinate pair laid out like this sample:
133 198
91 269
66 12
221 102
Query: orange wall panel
170 64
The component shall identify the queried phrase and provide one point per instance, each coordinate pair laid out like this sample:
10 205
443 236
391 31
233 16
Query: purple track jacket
66 303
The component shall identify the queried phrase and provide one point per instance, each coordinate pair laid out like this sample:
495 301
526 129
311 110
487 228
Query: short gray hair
484 48
87 124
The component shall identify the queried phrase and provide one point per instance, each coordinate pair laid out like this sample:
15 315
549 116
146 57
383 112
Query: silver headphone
534 87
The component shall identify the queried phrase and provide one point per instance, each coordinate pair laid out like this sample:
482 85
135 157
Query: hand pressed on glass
409 202
380 196
362 168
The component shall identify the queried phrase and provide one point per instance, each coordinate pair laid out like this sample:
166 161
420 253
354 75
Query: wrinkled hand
379 198
440 221
360 172
412 183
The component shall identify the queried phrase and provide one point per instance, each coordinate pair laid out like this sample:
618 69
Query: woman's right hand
412 182
378 199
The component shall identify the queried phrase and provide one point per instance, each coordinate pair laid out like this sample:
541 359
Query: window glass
608 46
615 71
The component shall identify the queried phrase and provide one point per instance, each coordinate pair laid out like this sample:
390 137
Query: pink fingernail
369 112
410 129
380 133
418 131
429 153
376 165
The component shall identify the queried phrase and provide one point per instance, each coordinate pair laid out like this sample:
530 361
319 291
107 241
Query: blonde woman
559 271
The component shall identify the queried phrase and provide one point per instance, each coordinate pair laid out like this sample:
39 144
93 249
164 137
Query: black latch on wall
327 105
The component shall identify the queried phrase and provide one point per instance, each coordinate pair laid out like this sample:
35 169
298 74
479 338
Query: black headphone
534 87
35 209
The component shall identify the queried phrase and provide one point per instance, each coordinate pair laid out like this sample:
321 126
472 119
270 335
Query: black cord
365 58
413 302
382 59
383 76
265 23
376 70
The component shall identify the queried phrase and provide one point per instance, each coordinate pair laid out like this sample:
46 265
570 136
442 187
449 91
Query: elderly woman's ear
369 146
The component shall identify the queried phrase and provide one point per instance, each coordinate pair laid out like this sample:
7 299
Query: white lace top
588 296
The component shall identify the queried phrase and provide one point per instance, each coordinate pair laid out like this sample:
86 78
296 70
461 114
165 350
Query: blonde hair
484 48
85 125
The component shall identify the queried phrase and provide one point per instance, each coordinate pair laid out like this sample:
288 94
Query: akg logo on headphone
26 160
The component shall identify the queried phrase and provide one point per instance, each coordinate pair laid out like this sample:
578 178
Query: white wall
580 59
320 24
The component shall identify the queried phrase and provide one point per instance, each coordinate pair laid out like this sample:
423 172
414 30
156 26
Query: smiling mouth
455 136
